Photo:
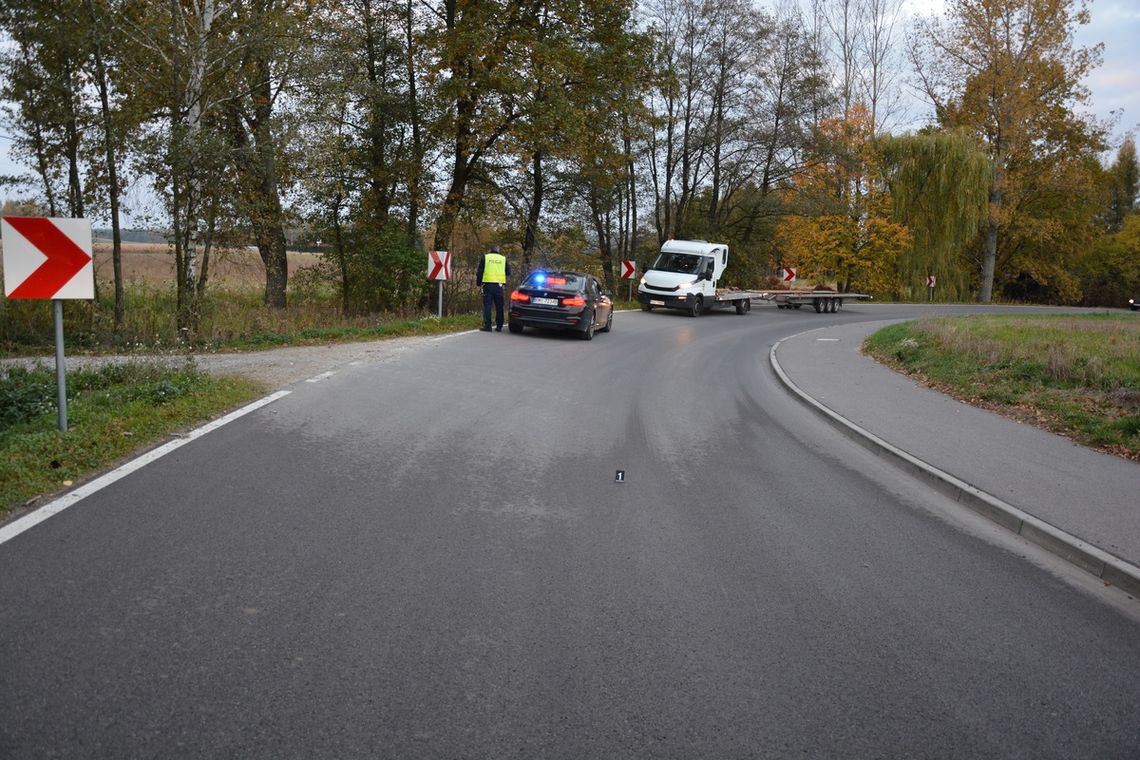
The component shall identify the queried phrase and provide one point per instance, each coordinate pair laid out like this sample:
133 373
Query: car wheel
515 327
609 322
697 307
588 333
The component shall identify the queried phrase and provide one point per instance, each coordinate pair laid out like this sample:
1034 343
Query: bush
26 395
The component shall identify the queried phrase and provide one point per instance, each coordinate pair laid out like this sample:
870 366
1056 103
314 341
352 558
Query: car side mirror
607 293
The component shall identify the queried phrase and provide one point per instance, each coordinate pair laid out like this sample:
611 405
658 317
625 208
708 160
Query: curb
1107 567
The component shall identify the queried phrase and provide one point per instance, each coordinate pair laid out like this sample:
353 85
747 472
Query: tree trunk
530 236
112 169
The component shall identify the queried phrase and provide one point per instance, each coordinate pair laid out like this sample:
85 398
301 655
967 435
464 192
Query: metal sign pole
60 367
440 303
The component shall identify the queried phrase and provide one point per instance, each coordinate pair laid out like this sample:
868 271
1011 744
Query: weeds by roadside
1078 376
112 412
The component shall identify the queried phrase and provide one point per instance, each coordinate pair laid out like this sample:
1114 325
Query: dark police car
561 301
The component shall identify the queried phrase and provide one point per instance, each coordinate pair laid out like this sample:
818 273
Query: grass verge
112 413
1078 376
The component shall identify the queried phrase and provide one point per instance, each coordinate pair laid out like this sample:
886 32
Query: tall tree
939 181
1008 71
840 227
267 35
481 56
1124 184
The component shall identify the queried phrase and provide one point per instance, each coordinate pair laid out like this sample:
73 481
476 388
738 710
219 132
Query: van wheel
741 306
697 307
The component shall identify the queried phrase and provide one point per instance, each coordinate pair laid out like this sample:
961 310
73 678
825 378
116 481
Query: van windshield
685 263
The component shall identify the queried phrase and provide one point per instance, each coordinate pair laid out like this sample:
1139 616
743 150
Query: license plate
544 301
656 303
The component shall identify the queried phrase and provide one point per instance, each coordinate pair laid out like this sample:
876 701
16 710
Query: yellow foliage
844 236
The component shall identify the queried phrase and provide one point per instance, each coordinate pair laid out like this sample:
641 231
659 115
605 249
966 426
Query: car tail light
520 297
574 301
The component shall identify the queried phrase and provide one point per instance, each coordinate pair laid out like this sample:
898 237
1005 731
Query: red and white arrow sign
628 270
789 275
439 265
930 281
47 258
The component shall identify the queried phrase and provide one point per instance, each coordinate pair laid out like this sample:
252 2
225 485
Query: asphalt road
429 556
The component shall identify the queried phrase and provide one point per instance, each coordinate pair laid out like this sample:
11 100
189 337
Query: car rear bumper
549 318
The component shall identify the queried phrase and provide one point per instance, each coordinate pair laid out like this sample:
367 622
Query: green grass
1078 376
112 413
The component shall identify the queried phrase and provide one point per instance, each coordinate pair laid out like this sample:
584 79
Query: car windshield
562 281
685 263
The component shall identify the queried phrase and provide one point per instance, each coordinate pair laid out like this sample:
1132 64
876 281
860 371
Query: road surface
429 555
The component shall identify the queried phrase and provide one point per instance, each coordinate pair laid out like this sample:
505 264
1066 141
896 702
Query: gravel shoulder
275 368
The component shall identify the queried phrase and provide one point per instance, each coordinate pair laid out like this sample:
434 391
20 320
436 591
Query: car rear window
562 281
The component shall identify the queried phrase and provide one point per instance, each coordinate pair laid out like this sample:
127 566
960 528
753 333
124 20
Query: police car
561 301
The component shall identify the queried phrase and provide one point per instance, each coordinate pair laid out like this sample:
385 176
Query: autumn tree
1008 71
839 229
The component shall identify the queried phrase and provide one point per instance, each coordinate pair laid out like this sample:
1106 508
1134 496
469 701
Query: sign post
49 259
628 272
930 282
439 268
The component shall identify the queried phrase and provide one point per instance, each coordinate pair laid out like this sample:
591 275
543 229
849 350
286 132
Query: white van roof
699 247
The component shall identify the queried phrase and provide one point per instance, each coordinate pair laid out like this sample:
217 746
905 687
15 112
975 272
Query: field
153 264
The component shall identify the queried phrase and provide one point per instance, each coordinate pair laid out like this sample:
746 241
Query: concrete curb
1109 568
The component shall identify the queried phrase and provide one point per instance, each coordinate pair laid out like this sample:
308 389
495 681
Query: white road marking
16 527
322 376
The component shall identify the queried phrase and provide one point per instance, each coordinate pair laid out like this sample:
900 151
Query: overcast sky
1115 86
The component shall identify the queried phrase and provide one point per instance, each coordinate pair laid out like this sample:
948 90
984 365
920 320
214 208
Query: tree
840 228
481 56
266 35
939 181
1124 184
1008 71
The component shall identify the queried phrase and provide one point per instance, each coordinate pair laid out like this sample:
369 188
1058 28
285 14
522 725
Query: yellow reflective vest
495 268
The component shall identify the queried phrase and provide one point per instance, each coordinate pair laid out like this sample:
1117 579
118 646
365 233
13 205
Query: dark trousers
492 294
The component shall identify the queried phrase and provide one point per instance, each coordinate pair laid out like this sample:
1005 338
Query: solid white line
16 527
322 376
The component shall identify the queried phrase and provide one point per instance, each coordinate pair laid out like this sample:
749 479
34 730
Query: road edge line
1077 552
52 508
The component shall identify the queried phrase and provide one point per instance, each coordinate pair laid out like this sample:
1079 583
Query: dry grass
1077 376
153 264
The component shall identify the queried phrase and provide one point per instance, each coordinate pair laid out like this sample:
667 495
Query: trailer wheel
818 304
838 304
796 305
697 307
741 306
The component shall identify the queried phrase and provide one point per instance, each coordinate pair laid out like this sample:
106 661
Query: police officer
492 275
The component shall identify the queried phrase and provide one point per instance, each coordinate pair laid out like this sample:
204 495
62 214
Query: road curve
430 555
